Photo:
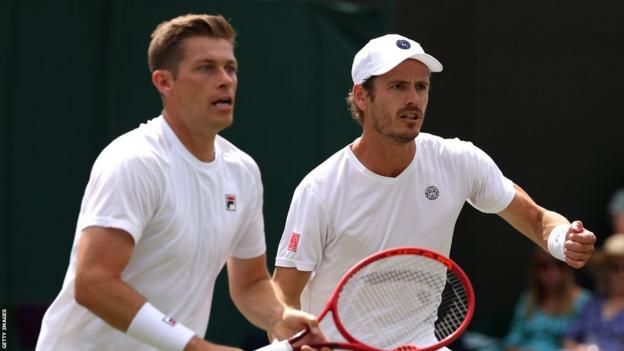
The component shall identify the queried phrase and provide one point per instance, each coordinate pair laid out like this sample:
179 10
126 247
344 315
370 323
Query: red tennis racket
399 299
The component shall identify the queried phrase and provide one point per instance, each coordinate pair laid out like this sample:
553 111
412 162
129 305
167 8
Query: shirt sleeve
490 190
305 233
122 193
252 239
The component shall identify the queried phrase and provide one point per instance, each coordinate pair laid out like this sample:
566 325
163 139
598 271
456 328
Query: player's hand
294 321
579 245
199 344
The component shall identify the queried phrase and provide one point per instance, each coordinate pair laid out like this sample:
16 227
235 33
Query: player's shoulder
143 146
435 143
329 169
324 179
129 160
234 157
453 150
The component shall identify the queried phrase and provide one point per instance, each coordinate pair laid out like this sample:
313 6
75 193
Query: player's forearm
289 283
530 219
111 299
290 299
258 303
550 220
199 344
539 229
118 304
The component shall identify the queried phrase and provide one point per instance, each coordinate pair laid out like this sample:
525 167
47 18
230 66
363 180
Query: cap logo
403 44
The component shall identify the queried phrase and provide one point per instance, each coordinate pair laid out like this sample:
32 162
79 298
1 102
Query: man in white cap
395 186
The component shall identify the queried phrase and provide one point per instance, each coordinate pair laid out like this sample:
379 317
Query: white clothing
341 212
185 216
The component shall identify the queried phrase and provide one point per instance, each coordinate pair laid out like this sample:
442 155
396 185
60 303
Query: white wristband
556 241
154 328
277 346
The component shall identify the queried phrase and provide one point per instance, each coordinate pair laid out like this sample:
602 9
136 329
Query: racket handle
276 345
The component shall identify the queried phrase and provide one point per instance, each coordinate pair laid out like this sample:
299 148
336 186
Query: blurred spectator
601 324
616 211
545 311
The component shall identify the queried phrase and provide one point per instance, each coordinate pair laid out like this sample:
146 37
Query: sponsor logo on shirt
168 320
432 192
294 242
230 202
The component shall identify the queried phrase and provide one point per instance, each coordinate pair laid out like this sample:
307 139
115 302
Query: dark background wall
536 84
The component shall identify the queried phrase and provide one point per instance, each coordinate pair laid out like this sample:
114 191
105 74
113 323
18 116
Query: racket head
405 298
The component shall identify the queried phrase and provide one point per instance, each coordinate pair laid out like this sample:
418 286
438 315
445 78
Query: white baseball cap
380 55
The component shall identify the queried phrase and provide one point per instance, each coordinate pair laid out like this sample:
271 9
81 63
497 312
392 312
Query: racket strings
453 308
394 301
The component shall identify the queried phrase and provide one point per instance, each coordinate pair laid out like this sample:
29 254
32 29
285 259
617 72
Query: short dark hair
165 50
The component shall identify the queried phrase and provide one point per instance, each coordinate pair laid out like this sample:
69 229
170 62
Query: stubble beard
381 122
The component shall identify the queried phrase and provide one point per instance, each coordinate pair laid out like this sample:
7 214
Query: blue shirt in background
591 328
541 331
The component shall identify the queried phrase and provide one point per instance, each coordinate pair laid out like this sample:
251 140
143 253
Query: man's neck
200 145
384 157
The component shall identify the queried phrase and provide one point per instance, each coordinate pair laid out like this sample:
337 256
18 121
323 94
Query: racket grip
276 345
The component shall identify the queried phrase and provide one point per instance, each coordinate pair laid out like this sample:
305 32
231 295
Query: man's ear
163 81
360 96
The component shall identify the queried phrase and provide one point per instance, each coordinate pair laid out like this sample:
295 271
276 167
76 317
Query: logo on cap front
403 44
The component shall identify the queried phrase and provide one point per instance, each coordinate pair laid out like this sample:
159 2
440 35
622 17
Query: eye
206 68
231 69
397 86
422 86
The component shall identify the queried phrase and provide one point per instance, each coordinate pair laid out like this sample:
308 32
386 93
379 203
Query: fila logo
432 192
294 242
230 202
170 321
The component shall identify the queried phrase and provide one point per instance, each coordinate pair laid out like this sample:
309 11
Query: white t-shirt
186 217
341 212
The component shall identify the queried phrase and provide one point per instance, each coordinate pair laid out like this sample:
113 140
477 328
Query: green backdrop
73 76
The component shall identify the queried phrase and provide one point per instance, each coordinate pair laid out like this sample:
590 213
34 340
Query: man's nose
414 97
226 79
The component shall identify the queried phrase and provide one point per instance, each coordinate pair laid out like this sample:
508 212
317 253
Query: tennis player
395 186
166 206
